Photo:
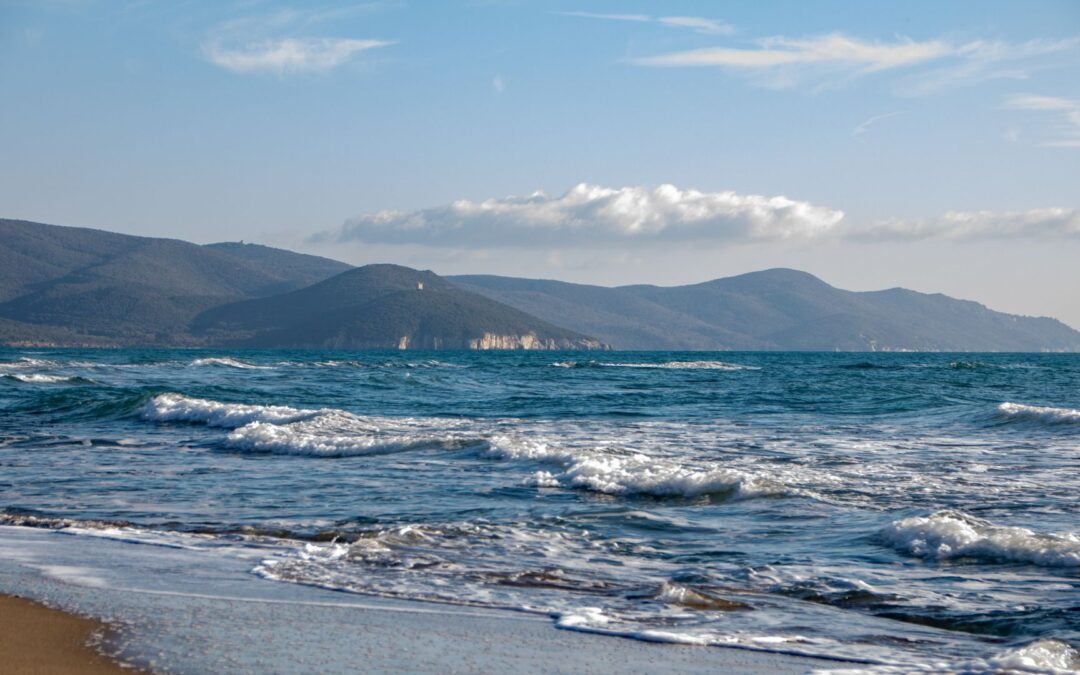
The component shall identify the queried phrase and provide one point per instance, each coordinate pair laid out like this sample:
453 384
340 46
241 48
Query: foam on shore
953 534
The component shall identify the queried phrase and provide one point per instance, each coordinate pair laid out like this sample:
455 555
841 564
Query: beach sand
37 639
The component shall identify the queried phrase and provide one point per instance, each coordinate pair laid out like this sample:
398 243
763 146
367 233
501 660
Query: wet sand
37 639
202 611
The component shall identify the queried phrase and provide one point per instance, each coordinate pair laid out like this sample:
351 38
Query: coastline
188 611
39 639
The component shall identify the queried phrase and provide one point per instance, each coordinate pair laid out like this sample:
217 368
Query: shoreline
174 609
35 638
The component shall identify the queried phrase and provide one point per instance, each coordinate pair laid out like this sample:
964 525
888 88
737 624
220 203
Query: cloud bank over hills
592 215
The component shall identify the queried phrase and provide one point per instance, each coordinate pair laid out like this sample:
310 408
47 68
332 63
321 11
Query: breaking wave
179 408
1038 414
632 473
26 362
295 431
667 365
953 534
228 362
41 378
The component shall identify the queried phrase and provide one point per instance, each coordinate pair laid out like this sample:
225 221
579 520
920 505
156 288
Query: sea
892 511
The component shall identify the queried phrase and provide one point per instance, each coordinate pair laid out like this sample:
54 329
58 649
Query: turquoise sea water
899 509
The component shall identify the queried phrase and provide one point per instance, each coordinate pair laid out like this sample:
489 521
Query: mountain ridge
385 306
68 286
776 309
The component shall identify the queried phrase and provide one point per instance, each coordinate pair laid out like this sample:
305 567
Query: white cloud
588 216
498 84
835 49
1036 223
981 61
858 132
784 62
697 24
637 18
593 215
288 55
1066 130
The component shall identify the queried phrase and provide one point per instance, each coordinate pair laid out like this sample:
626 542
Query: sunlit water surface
903 509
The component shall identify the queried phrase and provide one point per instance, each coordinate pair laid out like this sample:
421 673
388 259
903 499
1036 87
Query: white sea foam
631 473
685 365
334 433
1042 657
40 378
229 362
1040 414
26 362
953 534
179 408
296 431
666 365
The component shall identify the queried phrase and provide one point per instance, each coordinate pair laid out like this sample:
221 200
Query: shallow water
900 509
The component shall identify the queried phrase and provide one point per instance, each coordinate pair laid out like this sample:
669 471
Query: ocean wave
696 598
326 432
26 362
58 523
229 362
632 473
666 365
1041 657
953 534
179 408
334 433
1038 414
322 364
41 378
1044 655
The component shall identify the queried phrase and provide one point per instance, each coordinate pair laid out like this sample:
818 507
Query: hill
82 287
296 269
383 307
777 309
70 285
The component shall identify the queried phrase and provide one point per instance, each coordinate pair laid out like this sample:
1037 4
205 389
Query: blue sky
925 144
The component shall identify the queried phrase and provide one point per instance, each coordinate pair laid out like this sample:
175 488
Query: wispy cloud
858 132
1035 223
697 24
591 215
289 55
1066 112
785 62
835 49
637 18
981 61
498 84
286 40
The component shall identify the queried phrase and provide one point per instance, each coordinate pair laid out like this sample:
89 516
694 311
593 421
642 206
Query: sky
929 145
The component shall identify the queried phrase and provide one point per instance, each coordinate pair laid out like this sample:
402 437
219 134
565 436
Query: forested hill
70 285
778 309
384 307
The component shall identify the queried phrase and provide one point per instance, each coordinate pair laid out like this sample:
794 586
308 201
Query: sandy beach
37 639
